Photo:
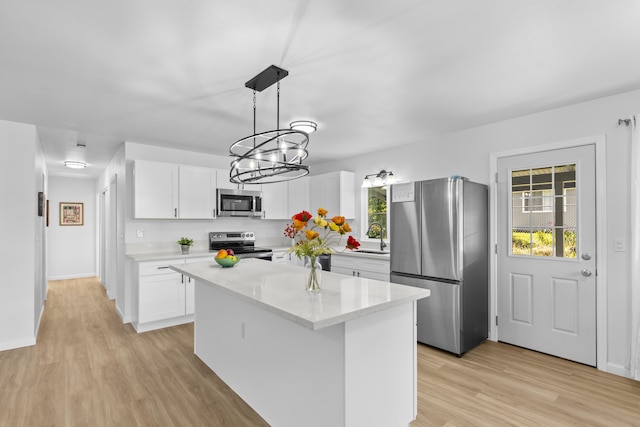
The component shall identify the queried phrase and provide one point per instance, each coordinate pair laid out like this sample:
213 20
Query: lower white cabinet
280 257
284 257
161 296
369 268
165 297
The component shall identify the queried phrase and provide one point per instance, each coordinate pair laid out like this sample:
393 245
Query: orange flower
322 211
298 225
311 234
346 227
338 220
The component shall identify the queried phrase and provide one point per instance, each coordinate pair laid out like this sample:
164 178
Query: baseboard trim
10 345
73 276
620 370
165 323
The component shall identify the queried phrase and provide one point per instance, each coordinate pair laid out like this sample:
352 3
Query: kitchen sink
371 251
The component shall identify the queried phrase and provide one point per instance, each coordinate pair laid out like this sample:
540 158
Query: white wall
467 153
72 249
18 215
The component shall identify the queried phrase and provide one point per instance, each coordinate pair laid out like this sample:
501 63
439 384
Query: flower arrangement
317 236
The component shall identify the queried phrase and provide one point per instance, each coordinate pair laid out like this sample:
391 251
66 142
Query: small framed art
71 213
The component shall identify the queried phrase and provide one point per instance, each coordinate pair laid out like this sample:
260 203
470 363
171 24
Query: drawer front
280 257
152 268
374 266
343 261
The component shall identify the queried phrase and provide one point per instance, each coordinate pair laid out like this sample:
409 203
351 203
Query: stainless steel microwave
239 202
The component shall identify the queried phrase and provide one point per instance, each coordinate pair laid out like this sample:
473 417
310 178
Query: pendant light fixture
271 156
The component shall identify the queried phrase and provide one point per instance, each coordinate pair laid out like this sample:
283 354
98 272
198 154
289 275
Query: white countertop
158 256
356 253
280 289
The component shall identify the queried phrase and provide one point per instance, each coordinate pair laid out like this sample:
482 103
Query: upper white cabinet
197 194
274 201
168 190
223 182
155 189
223 179
334 192
298 199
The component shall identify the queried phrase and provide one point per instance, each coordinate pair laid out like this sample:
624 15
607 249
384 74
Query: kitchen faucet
382 243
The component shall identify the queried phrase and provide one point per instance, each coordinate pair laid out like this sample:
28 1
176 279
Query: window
543 215
376 212
537 201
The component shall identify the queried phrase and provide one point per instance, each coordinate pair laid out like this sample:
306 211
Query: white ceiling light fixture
380 179
304 125
271 156
75 164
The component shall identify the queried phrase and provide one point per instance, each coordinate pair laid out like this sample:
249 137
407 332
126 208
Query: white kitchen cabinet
165 297
280 257
155 189
298 196
161 293
334 192
275 201
369 268
197 192
168 190
222 180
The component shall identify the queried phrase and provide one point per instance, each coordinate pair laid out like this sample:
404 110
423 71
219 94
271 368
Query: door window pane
543 211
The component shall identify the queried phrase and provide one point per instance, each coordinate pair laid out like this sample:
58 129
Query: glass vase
315 271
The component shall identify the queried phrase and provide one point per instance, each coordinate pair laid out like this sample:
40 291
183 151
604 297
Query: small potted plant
185 242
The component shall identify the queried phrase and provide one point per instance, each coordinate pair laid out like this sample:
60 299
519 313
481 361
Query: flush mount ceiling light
304 125
74 164
380 179
271 156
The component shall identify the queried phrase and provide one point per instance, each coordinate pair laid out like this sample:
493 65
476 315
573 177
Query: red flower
303 216
352 243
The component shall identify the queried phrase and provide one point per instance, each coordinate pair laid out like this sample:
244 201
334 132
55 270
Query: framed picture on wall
71 213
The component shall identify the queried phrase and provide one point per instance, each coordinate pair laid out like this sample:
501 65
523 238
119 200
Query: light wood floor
88 369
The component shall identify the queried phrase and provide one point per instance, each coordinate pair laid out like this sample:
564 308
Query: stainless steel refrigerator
439 241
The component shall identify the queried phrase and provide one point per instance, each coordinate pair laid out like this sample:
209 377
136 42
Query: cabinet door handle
175 212
160 268
353 273
358 274
182 275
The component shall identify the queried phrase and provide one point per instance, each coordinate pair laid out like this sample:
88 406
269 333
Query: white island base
317 369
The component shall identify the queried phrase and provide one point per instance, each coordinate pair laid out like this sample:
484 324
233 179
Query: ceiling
372 74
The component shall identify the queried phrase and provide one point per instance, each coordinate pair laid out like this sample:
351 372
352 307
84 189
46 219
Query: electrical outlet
619 244
140 233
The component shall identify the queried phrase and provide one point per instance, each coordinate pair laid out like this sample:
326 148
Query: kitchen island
344 356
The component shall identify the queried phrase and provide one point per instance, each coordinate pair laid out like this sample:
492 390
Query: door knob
586 272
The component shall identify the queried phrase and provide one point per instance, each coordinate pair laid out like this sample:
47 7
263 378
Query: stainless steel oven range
241 242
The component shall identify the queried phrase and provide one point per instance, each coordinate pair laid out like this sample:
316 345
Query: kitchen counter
384 256
159 256
343 356
279 289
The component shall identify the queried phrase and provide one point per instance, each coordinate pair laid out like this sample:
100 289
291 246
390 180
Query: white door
547 252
